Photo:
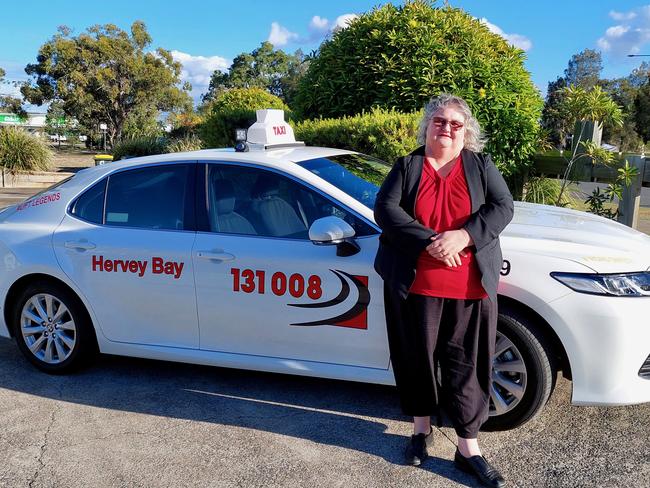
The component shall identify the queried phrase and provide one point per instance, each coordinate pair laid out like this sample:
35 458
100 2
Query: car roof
274 157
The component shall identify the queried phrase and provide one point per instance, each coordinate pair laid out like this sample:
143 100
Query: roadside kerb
36 179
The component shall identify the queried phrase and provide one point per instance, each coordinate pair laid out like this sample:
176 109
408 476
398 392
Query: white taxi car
263 259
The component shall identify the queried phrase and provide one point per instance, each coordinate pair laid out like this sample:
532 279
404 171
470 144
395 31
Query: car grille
644 372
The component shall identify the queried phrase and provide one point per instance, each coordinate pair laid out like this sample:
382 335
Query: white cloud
617 31
198 70
629 35
517 40
618 16
319 28
319 24
280 35
603 44
343 21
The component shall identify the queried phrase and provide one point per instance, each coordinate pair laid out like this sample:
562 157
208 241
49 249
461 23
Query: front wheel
523 376
53 329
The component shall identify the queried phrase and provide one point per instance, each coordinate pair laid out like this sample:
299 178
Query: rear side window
151 198
90 205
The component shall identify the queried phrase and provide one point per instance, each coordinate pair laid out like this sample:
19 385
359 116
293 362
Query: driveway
130 423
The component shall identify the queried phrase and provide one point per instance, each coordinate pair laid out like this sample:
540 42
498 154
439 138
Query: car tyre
53 329
525 345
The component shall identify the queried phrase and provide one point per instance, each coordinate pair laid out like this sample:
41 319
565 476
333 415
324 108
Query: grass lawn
69 158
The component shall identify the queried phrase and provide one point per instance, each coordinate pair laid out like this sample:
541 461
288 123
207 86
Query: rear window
90 205
151 198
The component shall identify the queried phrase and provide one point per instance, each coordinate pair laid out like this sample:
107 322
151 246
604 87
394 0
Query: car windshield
356 174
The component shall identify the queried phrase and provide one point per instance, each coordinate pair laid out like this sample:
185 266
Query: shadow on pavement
336 413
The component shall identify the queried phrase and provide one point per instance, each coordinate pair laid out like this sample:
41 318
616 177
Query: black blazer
403 238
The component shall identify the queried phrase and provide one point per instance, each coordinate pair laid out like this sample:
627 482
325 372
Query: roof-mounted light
270 131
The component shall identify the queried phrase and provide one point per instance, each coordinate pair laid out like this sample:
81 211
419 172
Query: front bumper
607 340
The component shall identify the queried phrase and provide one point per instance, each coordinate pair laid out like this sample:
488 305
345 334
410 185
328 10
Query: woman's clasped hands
449 246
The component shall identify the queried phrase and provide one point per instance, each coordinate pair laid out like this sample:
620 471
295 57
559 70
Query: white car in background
263 259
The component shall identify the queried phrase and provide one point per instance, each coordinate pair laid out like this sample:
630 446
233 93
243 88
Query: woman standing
441 210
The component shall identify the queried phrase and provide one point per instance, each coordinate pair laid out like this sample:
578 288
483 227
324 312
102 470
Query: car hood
598 243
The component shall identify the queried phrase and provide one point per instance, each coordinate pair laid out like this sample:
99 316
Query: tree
399 57
265 67
623 91
584 69
106 75
554 120
56 122
7 102
640 75
642 112
626 92
587 105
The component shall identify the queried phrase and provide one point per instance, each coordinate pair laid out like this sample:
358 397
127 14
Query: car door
263 288
126 243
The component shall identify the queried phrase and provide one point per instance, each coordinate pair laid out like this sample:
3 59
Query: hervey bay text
139 267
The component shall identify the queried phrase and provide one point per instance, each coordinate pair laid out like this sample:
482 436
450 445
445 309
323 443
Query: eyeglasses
440 122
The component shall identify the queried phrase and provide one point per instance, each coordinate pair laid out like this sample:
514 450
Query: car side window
258 202
90 205
151 198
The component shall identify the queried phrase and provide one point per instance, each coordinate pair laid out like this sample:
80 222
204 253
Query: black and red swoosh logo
357 316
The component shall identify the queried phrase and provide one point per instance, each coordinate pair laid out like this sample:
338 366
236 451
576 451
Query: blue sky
206 35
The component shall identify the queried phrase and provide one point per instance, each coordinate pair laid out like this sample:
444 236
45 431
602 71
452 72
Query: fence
628 207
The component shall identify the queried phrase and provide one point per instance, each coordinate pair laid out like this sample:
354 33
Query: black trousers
457 335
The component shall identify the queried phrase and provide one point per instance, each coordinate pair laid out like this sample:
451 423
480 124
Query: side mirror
334 231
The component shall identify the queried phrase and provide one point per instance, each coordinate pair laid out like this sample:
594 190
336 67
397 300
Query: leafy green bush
235 109
399 57
139 146
20 151
183 144
546 191
146 146
385 134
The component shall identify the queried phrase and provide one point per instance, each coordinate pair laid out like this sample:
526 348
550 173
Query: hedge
385 134
235 109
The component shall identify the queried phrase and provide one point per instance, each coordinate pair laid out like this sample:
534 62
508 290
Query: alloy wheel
48 329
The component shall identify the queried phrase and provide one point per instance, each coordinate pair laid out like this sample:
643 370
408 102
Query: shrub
546 191
139 146
20 151
385 134
147 146
399 57
183 144
235 109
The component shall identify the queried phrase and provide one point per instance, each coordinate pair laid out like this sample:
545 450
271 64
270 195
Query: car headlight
619 285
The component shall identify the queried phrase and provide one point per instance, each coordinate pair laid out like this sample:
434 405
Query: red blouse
444 204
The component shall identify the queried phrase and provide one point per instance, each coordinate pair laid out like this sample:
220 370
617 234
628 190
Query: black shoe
416 451
480 468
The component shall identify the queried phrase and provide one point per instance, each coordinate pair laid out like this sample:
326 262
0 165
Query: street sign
12 119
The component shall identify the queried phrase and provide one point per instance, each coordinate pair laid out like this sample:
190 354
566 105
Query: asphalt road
587 188
9 196
137 423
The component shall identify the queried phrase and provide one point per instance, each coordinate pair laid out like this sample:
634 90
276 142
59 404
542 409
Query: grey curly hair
474 138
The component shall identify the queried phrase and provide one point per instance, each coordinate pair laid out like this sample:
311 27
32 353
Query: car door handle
82 245
215 255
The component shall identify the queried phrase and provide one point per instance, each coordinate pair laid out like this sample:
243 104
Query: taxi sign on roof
270 129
